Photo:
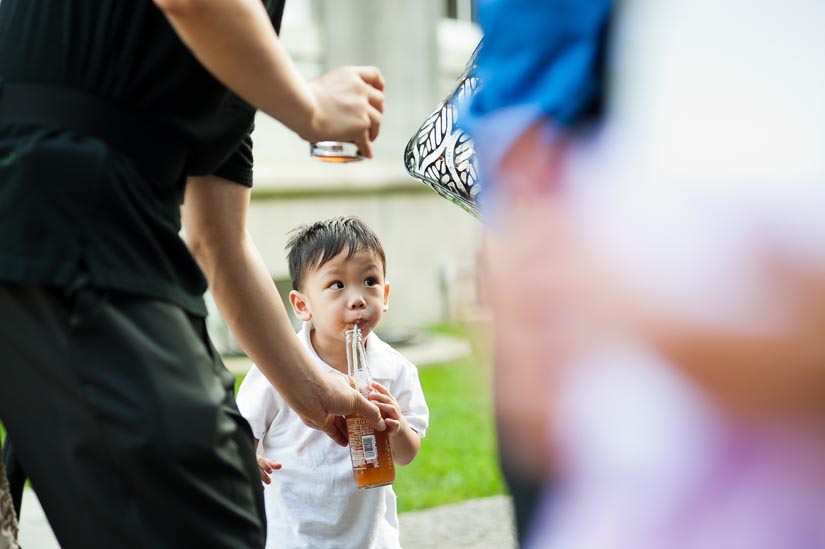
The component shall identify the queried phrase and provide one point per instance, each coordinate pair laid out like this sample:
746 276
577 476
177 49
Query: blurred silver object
335 151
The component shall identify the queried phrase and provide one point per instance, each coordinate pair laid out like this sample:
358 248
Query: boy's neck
332 351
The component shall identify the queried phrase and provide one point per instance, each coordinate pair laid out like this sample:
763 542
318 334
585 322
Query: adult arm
768 370
214 215
540 69
773 373
235 41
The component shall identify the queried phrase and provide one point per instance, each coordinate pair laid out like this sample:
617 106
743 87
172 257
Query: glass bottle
370 450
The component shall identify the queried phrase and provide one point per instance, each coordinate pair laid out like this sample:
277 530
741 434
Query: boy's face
343 292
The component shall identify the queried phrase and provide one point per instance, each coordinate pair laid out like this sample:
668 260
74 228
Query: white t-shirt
313 502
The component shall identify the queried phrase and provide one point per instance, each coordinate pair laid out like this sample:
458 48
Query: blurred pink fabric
712 159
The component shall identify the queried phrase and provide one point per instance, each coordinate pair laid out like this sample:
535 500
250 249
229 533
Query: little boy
338 272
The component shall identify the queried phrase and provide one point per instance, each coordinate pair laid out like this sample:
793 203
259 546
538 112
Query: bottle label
370 451
363 448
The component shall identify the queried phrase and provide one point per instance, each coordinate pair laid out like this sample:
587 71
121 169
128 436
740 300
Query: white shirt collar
378 361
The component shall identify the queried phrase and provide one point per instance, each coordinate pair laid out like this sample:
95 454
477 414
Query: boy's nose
357 301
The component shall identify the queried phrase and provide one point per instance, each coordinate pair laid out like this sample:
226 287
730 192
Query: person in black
112 114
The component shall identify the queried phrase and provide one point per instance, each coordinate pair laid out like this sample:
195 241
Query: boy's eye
337 285
370 282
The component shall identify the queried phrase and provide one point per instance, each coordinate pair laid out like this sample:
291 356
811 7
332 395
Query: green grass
457 460
447 329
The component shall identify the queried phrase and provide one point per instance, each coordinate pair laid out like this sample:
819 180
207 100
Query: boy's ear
387 296
300 305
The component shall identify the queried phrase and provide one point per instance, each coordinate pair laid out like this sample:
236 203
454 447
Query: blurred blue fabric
540 60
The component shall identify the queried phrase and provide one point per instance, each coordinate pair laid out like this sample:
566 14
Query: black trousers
525 494
124 418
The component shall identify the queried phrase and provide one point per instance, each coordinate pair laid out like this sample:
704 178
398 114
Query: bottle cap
335 151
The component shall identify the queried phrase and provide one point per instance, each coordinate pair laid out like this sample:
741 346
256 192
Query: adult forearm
251 306
755 375
235 41
214 214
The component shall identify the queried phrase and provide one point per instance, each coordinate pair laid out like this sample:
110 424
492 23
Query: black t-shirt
70 204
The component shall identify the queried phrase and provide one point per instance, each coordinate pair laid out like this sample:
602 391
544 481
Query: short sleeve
258 402
546 55
410 397
540 60
238 166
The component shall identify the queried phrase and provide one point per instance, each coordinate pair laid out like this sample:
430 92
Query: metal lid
335 151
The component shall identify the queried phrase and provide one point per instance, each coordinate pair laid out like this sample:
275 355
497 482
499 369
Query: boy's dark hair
310 246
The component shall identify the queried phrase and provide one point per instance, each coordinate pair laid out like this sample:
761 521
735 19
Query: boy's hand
390 410
266 467
338 398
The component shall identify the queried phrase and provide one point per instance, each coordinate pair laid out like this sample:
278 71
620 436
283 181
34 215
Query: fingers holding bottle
349 103
372 76
341 399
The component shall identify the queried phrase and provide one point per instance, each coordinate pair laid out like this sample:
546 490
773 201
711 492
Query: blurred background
421 48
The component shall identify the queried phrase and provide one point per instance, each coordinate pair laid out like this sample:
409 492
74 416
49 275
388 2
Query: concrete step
473 524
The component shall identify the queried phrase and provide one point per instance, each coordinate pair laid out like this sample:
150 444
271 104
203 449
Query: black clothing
129 430
119 409
525 495
69 202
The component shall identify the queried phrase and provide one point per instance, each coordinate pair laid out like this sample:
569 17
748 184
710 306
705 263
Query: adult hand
337 398
348 103
344 104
